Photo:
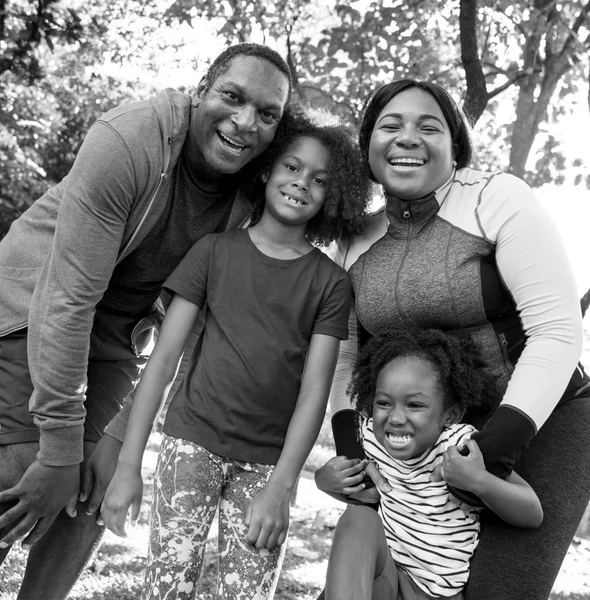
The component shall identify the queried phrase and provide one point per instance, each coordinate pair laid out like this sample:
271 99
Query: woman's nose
408 137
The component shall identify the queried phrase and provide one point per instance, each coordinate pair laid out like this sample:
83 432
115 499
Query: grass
116 573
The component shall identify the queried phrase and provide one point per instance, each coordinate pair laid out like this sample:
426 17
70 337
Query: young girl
244 420
414 388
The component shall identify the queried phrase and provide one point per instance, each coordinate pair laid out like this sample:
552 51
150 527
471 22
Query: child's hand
124 491
267 517
341 475
463 472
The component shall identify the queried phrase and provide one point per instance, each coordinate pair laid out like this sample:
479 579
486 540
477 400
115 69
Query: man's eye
269 118
231 96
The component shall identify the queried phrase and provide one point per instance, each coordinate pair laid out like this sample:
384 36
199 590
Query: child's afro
458 365
348 190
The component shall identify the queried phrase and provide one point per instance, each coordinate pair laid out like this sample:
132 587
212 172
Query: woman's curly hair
460 370
348 190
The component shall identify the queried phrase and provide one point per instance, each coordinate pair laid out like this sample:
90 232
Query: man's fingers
378 479
95 500
70 507
9 495
38 531
87 483
11 516
20 530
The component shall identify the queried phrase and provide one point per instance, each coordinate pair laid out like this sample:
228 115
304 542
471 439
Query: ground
116 573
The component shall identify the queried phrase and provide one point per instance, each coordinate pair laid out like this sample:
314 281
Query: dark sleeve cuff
502 442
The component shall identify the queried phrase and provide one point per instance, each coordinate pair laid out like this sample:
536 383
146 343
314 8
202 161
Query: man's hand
124 491
267 517
98 472
38 498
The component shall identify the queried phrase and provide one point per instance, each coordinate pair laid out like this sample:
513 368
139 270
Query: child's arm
267 516
513 499
125 489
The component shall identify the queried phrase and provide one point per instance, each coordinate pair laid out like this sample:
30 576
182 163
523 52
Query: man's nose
245 119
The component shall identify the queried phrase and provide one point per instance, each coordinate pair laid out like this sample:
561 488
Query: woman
461 250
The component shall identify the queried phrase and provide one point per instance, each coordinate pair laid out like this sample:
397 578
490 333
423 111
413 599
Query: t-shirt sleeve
332 316
189 279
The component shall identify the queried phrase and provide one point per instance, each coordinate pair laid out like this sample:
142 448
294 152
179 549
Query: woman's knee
360 520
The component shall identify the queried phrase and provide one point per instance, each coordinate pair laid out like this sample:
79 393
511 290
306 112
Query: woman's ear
454 414
264 176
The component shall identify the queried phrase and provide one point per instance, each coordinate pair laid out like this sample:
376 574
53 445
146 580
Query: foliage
513 64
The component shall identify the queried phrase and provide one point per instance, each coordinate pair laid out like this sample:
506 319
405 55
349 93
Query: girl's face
408 409
410 150
296 185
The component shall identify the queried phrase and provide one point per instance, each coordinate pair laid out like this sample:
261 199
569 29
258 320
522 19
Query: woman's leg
187 485
244 571
358 556
522 564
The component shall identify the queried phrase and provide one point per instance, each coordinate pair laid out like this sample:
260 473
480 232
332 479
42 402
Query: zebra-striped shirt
429 535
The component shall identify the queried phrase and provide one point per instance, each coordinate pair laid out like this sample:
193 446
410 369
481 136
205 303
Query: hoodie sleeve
97 196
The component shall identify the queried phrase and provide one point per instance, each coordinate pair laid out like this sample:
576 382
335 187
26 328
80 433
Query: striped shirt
429 535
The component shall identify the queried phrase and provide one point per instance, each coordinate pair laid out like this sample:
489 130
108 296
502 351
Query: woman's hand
342 476
463 471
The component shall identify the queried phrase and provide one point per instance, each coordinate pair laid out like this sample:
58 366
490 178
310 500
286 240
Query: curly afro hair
348 191
458 366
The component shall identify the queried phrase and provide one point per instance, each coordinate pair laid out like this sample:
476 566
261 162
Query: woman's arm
268 513
513 499
125 488
533 264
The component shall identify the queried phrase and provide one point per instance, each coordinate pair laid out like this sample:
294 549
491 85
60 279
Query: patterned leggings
190 484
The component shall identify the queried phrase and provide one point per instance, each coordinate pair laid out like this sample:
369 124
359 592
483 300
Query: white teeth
407 162
231 143
291 199
398 440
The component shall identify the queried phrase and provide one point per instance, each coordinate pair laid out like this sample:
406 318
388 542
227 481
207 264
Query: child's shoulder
457 433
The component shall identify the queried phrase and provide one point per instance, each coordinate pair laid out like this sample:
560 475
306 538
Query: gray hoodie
58 257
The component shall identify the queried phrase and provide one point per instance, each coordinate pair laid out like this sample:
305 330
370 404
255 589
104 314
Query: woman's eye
291 168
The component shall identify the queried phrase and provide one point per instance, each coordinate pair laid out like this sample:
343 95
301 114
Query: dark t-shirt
241 387
194 207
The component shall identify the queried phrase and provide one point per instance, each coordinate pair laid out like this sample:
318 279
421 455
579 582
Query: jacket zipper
504 350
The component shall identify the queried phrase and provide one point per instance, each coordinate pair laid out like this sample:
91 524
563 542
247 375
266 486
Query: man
80 273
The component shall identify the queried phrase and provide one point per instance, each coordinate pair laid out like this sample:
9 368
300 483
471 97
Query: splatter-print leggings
189 485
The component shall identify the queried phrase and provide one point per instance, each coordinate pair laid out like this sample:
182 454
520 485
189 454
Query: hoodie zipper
143 218
504 350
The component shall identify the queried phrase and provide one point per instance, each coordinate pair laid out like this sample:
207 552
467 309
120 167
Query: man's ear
202 88
454 414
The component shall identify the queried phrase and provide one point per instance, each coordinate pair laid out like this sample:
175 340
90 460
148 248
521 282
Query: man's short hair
222 63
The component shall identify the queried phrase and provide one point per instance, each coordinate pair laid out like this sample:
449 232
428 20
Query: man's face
236 118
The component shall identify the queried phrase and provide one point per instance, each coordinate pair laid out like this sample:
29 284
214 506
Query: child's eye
415 405
381 403
291 168
269 118
319 181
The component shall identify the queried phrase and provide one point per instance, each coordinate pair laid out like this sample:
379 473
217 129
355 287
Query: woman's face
410 150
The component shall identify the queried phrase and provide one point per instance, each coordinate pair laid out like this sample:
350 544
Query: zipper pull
407 214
